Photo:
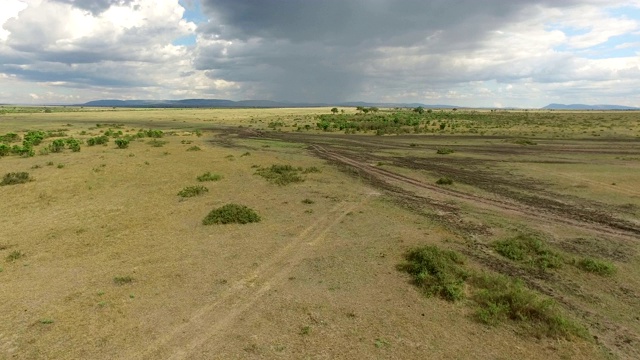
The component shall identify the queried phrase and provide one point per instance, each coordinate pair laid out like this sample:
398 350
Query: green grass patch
529 249
281 174
445 151
599 267
500 298
191 191
194 148
437 272
444 181
15 178
208 176
231 214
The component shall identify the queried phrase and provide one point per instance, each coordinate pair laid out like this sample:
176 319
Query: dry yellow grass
310 280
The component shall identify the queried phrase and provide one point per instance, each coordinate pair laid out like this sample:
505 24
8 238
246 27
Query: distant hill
588 107
221 103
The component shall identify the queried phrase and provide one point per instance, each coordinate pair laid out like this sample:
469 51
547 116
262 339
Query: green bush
529 249
73 144
437 272
98 140
35 137
57 146
600 267
444 181
5 149
231 214
281 174
15 255
9 138
191 191
208 176
194 148
15 178
122 143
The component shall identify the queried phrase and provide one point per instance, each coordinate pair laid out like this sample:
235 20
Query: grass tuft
15 178
15 255
122 280
444 181
231 214
599 267
209 177
191 191
445 151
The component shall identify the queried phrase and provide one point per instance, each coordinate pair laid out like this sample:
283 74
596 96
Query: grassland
329 235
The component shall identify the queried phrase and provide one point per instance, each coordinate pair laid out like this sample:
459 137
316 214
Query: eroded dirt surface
507 194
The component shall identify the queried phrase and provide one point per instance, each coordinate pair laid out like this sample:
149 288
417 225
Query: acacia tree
334 110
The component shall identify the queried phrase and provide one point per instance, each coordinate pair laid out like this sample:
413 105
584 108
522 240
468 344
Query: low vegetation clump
437 272
194 148
208 176
529 249
500 298
497 298
524 142
98 140
444 181
599 267
57 146
308 201
445 151
15 255
281 174
231 214
122 143
311 169
15 178
122 280
157 143
191 191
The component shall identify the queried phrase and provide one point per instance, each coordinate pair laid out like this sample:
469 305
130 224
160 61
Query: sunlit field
319 233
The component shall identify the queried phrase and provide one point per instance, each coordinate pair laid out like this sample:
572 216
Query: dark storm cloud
323 50
95 6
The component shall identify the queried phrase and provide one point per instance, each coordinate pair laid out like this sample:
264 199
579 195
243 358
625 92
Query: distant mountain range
588 107
221 103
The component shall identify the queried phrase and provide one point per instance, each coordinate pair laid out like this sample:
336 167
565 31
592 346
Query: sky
476 53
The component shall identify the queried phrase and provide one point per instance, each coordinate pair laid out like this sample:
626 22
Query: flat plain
525 226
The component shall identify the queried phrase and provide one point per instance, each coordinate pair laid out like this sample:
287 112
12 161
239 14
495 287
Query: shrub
444 181
73 144
57 146
600 267
154 133
5 149
194 148
35 137
231 214
436 272
9 138
528 249
15 178
122 143
191 191
209 177
281 174
308 201
444 151
311 169
98 140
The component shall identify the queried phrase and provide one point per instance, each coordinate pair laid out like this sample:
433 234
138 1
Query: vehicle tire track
531 212
211 319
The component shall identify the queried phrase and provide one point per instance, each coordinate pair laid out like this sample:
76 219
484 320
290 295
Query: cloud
469 52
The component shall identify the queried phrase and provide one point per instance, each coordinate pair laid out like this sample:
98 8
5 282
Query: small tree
334 110
419 110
